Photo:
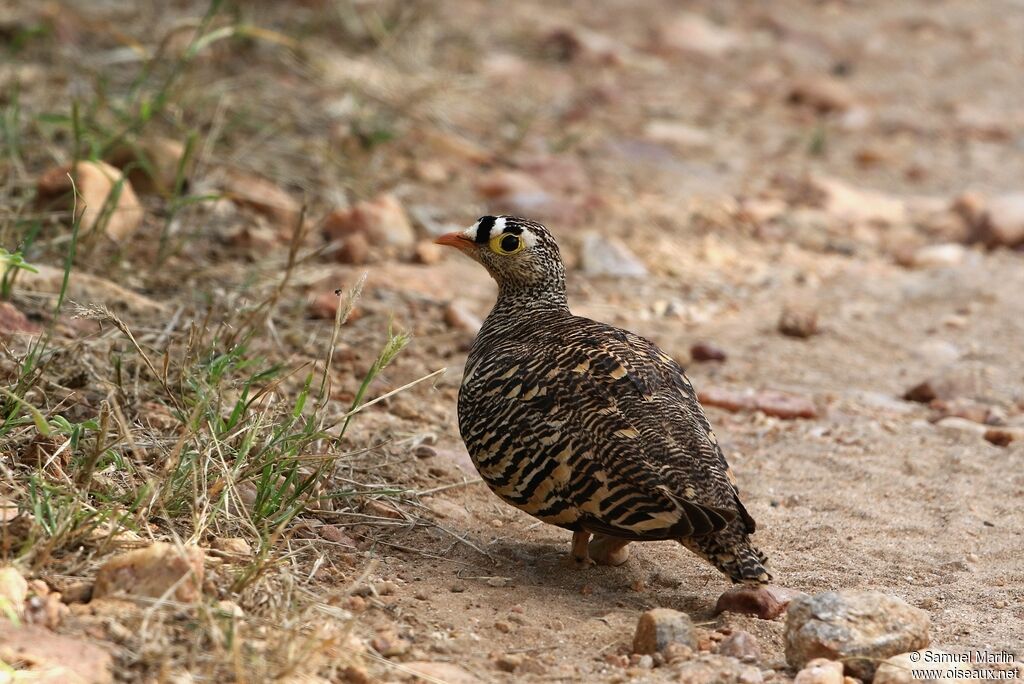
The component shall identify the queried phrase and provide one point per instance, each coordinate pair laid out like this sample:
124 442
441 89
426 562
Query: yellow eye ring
507 243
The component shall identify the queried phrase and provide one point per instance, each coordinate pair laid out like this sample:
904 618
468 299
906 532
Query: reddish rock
765 601
693 34
798 322
1002 436
96 183
740 645
823 94
263 196
152 572
354 250
705 351
381 220
785 405
658 628
724 398
153 163
997 223
14 321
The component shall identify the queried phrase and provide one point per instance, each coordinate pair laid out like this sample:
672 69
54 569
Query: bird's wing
607 426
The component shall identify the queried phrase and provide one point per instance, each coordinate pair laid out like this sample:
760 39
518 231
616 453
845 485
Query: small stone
424 451
703 668
13 321
152 163
389 644
1002 436
427 253
740 645
497 582
947 385
608 256
459 316
785 405
508 662
152 572
858 628
705 351
96 183
820 671
1000 223
693 34
855 205
230 609
658 628
382 221
577 44
955 427
235 546
354 250
798 322
13 592
823 94
263 196
938 256
336 535
457 588
765 601
682 136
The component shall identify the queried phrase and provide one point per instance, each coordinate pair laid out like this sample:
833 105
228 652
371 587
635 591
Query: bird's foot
766 601
608 550
579 553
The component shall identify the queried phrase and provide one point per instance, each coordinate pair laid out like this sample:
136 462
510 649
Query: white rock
939 256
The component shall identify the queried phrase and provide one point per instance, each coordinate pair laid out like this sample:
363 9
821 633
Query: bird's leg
579 551
609 550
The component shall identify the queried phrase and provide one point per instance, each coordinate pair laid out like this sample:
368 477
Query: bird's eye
507 243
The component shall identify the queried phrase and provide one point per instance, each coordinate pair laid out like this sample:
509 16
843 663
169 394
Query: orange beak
457 240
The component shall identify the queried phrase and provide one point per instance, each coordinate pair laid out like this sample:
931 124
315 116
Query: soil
870 494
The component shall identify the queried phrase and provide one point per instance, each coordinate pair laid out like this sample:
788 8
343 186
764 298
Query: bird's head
520 254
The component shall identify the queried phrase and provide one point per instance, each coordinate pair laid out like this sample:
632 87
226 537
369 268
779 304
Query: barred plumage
587 426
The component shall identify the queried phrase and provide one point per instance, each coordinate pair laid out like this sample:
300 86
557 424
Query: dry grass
201 418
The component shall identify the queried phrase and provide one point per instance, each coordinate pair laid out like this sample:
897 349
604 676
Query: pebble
820 671
154 163
382 221
947 385
766 602
459 317
607 256
658 628
861 628
389 644
705 351
785 405
427 253
94 182
693 34
680 135
151 572
799 322
1001 436
997 223
740 645
706 667
355 250
234 545
13 321
943 255
823 94
264 196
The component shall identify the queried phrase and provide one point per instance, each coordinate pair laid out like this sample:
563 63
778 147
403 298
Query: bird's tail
732 553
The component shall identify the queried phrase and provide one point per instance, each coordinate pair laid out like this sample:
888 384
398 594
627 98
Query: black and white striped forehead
488 227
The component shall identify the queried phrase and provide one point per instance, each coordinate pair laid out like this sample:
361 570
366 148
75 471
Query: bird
587 426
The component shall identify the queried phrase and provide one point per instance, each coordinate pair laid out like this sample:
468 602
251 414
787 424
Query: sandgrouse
587 426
